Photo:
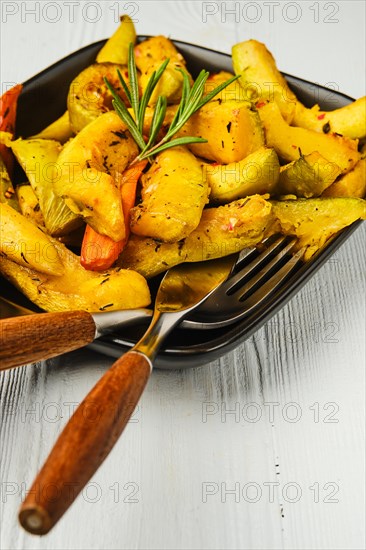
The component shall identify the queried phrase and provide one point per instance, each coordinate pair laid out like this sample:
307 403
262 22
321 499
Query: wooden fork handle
85 442
31 338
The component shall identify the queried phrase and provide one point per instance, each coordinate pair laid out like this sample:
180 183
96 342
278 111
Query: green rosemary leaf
111 89
124 85
123 112
172 143
179 122
191 101
191 105
196 101
177 115
116 97
144 102
157 121
183 103
125 116
185 89
153 80
216 91
160 71
134 85
197 88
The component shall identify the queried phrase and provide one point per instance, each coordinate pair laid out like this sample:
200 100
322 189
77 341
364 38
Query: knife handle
85 442
31 338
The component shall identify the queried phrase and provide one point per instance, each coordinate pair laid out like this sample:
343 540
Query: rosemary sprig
191 102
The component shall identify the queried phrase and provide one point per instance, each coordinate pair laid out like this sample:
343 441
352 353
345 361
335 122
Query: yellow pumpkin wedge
349 121
222 231
115 50
89 96
7 192
352 184
315 221
39 160
149 55
256 173
308 176
260 77
289 142
174 193
77 288
233 130
29 205
91 166
24 243
59 130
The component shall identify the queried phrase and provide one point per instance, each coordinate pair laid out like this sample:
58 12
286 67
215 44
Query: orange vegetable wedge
8 113
99 252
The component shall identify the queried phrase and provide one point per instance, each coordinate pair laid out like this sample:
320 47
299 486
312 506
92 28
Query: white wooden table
263 448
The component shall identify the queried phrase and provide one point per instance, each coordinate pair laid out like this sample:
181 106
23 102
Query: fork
255 278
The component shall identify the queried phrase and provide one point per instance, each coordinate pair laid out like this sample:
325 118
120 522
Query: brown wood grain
85 442
35 337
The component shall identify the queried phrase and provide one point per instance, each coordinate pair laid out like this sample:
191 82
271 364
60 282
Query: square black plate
43 99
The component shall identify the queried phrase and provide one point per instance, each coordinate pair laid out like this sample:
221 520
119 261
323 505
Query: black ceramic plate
43 99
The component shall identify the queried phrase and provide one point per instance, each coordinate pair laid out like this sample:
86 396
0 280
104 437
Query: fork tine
265 272
245 272
246 290
260 295
234 286
251 254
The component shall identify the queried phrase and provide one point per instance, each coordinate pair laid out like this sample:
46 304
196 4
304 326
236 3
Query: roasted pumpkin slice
60 130
24 243
39 160
29 204
349 121
290 142
115 50
174 193
89 96
149 55
307 176
91 166
233 130
256 173
352 184
222 231
315 221
260 77
76 287
233 92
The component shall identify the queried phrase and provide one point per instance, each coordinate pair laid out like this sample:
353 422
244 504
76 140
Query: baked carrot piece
99 252
8 113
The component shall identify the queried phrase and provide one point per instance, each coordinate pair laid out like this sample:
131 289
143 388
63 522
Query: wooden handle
85 442
34 337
